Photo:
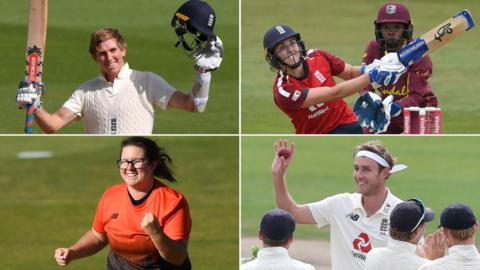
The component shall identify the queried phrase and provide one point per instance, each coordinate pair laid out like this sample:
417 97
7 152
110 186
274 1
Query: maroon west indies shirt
411 89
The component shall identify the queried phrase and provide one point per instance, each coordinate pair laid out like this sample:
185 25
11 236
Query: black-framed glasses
422 206
137 163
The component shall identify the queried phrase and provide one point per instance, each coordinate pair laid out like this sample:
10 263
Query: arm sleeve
99 221
322 211
178 222
159 90
74 103
337 65
288 96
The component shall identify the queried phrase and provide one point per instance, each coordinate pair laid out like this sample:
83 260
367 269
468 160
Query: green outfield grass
344 28
441 170
145 24
50 203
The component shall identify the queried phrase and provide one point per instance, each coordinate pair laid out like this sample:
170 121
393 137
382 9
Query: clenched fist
150 224
62 256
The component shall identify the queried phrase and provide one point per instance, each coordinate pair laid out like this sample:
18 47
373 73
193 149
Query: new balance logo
353 216
280 30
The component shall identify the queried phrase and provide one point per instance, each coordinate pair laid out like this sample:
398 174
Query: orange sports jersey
120 220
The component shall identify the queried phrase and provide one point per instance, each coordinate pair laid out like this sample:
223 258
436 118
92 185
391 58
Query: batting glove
391 59
367 68
28 94
210 57
385 74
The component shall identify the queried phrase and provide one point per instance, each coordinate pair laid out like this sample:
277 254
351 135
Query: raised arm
344 89
283 199
51 123
378 73
206 61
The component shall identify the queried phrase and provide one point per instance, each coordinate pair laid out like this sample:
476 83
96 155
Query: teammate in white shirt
122 100
276 233
459 226
358 221
407 225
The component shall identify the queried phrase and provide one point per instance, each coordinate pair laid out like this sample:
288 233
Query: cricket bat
436 37
37 33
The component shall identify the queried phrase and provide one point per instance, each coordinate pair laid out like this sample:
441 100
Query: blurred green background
145 24
50 203
441 171
344 28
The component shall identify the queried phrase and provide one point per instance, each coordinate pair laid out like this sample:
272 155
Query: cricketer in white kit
126 106
359 221
407 225
121 100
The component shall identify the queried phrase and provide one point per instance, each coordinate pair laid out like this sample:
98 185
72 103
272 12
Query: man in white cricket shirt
276 233
122 100
459 226
407 226
358 221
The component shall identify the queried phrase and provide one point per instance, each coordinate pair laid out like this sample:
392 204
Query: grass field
50 203
145 24
344 28
442 170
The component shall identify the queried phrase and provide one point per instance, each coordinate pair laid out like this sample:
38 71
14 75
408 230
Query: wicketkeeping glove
382 121
366 108
210 57
27 94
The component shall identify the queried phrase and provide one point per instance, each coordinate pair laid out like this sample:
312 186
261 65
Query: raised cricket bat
436 37
37 33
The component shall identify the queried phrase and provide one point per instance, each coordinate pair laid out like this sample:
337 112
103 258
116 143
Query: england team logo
391 9
280 29
320 77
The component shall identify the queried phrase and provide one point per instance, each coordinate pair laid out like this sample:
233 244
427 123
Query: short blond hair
462 235
103 34
378 148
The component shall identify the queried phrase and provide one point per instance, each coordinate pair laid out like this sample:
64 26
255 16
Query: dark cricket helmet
393 13
273 37
194 22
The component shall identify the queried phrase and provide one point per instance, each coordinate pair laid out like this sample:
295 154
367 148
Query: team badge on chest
320 77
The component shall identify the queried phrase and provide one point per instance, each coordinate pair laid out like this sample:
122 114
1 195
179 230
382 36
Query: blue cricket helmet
195 19
273 37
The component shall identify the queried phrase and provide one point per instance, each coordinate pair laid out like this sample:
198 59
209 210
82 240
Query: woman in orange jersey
146 223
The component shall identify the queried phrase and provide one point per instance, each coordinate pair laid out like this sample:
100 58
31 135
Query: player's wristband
203 78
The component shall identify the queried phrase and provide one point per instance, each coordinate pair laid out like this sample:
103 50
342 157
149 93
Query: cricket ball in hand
284 153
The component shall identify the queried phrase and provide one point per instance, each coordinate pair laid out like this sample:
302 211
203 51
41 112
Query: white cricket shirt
352 233
460 257
125 106
397 255
275 258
